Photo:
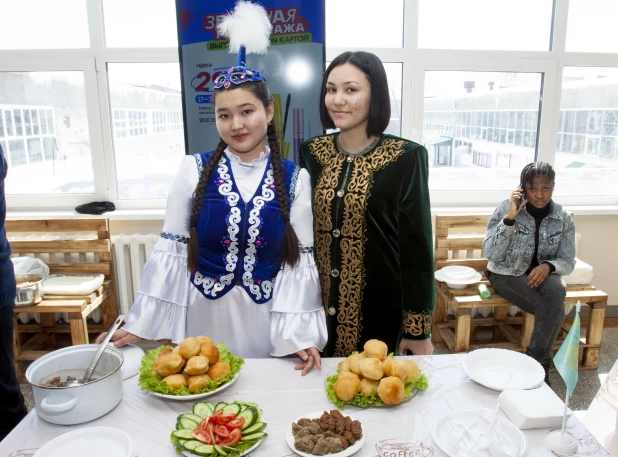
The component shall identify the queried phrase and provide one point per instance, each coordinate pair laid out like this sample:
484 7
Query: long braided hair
290 254
534 169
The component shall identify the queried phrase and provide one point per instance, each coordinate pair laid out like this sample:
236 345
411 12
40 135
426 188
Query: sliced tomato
236 423
204 433
221 431
225 419
233 438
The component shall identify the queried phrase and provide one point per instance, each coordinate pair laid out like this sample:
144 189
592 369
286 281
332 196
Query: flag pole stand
559 441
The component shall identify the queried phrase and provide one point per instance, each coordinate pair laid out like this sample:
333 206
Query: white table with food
199 399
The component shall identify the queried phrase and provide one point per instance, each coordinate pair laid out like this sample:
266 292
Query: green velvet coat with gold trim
373 241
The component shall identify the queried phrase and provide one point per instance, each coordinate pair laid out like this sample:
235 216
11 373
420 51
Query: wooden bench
90 254
459 241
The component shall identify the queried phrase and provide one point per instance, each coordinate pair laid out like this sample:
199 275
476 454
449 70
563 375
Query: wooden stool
32 349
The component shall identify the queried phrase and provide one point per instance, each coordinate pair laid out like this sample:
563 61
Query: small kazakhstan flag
566 359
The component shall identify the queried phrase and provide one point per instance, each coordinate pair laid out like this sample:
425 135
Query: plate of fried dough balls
374 378
196 368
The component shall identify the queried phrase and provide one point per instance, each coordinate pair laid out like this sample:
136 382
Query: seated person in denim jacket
530 245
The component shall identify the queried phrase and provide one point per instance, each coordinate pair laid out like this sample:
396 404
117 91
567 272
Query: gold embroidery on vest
354 227
331 161
416 324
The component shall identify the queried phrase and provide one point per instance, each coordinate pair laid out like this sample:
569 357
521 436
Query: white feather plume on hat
247 26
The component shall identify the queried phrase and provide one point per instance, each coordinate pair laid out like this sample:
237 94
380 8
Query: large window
148 136
481 121
587 141
44 133
91 103
485 24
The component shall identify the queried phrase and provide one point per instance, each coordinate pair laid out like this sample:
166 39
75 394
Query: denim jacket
509 249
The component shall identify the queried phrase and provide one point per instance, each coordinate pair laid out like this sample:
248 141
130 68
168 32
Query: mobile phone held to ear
518 200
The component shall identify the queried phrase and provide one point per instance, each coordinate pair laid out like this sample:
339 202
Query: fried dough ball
346 387
197 365
344 366
348 374
367 386
168 364
354 362
203 340
413 369
391 390
394 367
175 381
218 370
371 368
197 381
189 347
376 348
211 352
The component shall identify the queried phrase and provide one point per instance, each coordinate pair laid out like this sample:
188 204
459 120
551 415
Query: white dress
168 306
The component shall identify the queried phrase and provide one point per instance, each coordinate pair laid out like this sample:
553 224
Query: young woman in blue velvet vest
235 259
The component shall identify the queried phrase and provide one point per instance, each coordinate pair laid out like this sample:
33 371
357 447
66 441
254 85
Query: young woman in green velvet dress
372 219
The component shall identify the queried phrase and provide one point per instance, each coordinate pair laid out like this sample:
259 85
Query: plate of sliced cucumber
219 429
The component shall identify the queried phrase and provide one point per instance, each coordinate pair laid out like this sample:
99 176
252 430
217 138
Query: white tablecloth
285 396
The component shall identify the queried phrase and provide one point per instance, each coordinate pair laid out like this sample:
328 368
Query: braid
536 169
290 254
198 198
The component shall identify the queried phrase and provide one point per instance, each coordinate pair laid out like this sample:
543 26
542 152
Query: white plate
443 433
458 283
289 437
91 442
189 454
197 396
132 360
458 272
502 369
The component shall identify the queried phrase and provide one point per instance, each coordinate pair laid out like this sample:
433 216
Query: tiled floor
587 386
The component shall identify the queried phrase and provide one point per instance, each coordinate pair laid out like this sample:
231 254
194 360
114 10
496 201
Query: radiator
130 255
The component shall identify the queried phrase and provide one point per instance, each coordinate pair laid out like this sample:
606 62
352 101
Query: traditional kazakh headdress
248 29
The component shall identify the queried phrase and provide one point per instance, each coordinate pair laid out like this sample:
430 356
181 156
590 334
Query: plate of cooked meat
325 433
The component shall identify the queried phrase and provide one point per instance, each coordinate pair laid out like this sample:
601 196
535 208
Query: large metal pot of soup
76 404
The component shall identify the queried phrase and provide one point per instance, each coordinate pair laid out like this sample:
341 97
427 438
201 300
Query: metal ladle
97 356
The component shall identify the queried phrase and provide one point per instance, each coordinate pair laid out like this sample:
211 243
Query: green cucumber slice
257 427
250 415
183 434
254 436
203 409
232 408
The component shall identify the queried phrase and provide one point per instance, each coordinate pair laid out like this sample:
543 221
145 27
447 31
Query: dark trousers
12 406
546 302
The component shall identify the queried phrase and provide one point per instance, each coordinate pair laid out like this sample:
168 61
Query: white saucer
132 360
458 271
90 441
501 369
457 283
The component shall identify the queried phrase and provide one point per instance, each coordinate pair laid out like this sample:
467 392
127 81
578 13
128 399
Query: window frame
415 62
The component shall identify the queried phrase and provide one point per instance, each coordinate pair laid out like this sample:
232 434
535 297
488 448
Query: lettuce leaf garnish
364 401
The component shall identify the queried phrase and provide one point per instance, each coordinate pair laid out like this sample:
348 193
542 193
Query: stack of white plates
458 277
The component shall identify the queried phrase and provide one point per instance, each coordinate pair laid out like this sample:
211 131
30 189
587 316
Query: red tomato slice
203 435
225 419
236 423
221 431
233 438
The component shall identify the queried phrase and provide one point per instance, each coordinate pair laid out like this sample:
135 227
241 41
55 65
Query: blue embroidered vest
240 242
